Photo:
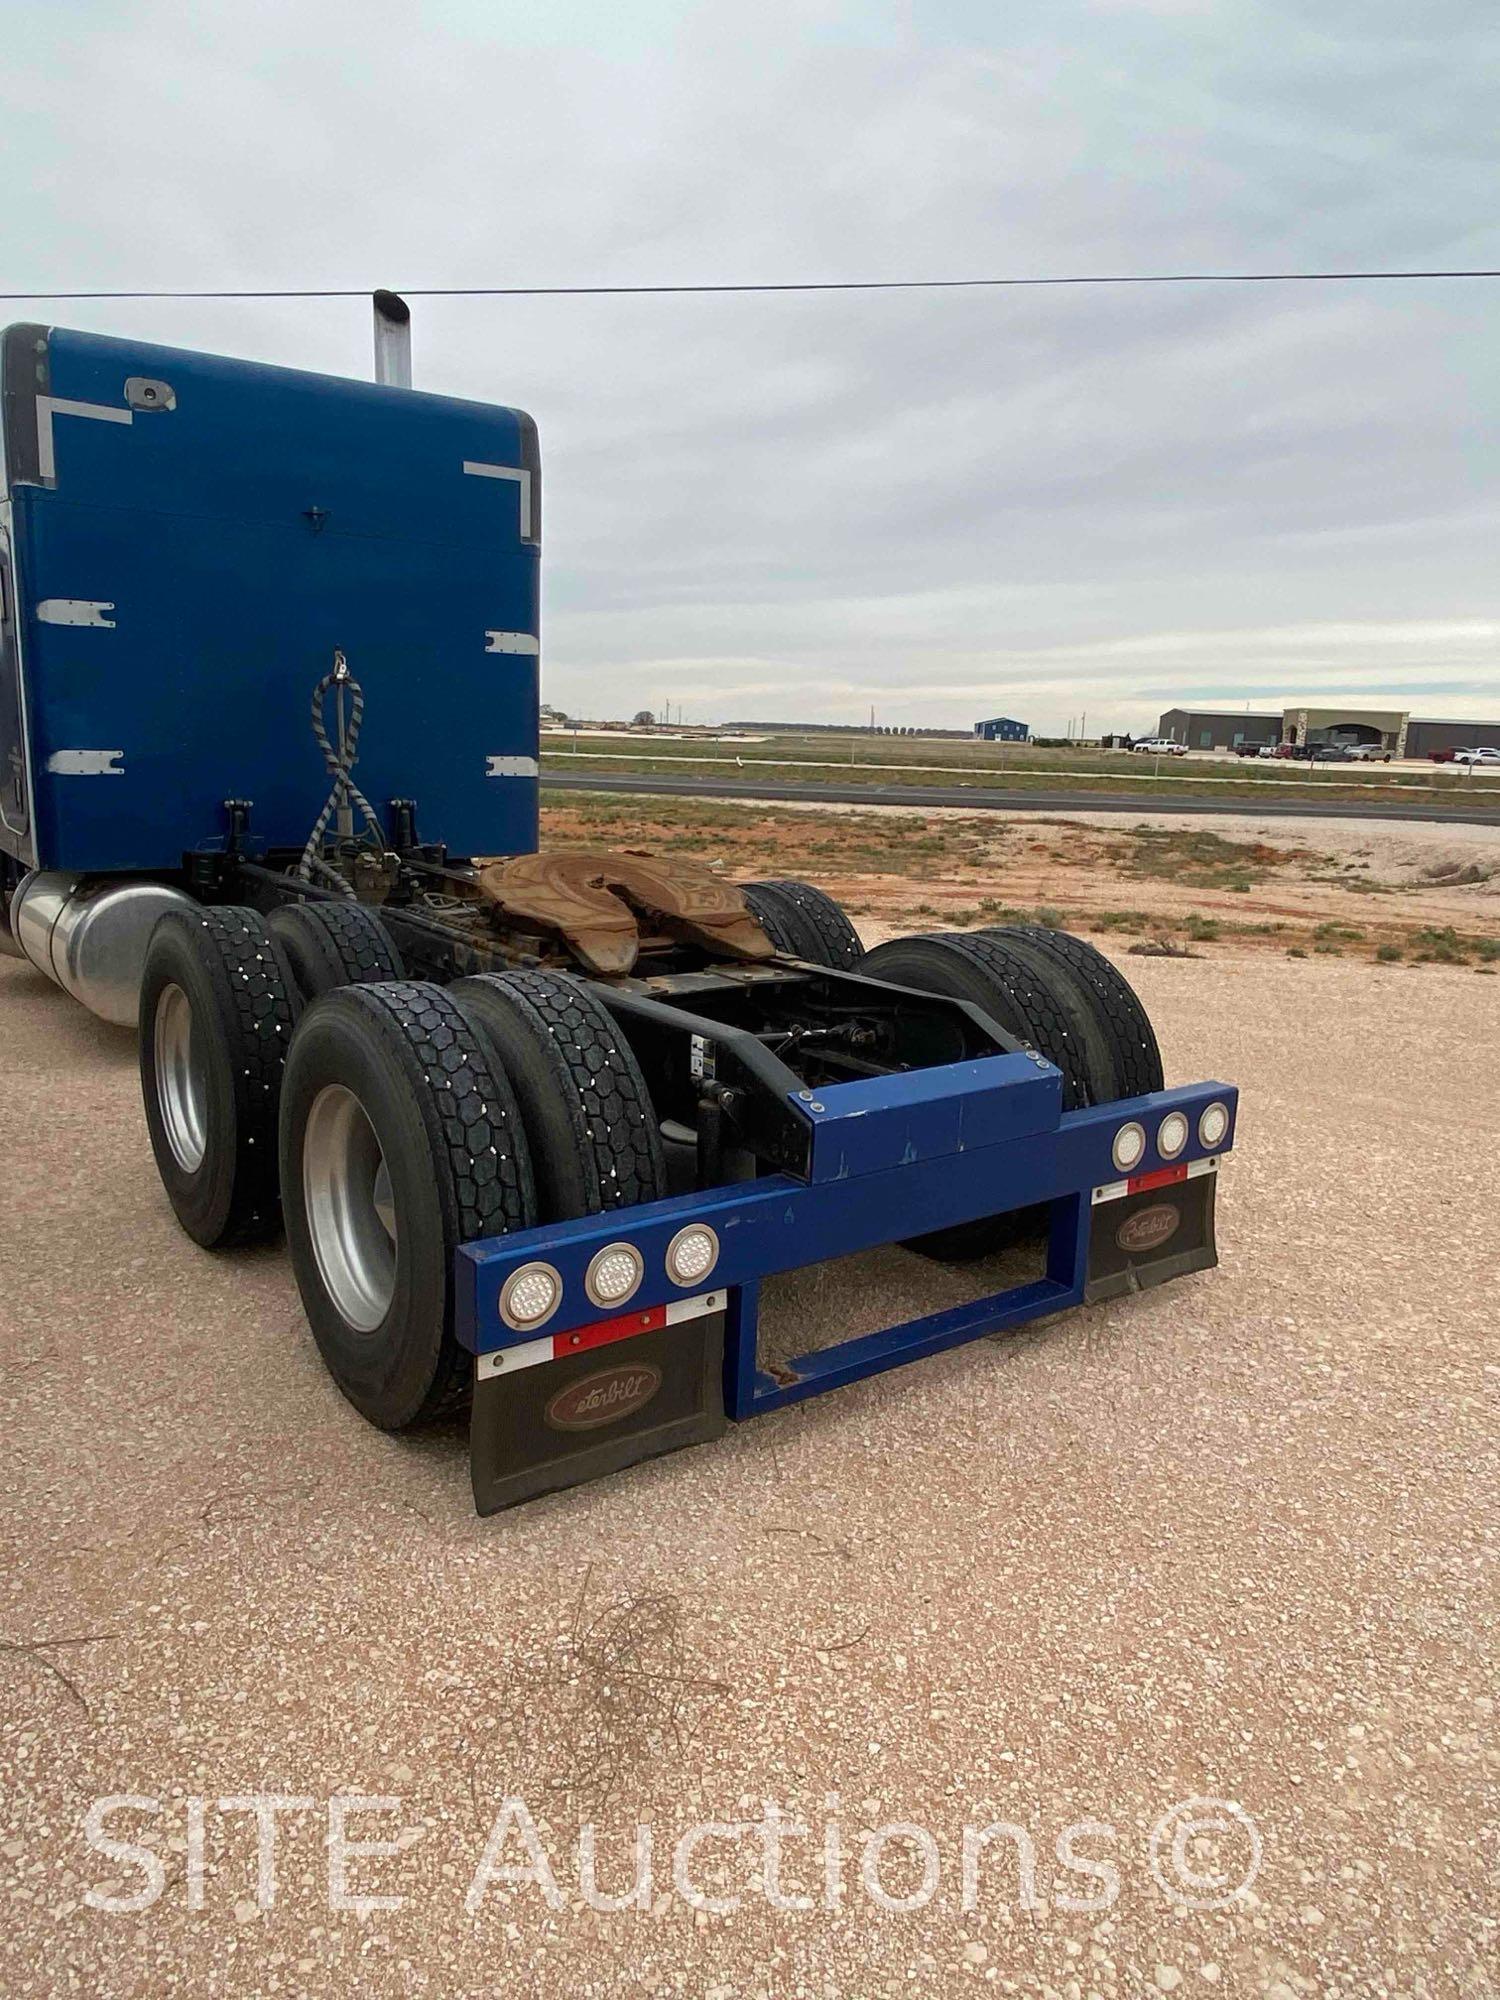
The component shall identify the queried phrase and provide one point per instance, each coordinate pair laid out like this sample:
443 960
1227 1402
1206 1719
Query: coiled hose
340 762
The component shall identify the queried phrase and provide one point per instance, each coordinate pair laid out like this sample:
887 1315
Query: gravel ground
1228 1540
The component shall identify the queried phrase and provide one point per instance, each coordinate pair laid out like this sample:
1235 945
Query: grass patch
1440 945
1197 855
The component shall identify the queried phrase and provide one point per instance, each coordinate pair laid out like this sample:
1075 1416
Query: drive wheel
334 944
1035 999
594 1138
400 1140
1121 1019
216 1013
804 922
1018 987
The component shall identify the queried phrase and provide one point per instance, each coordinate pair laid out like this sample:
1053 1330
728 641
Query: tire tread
599 1082
256 1004
335 944
838 942
1122 1019
466 1108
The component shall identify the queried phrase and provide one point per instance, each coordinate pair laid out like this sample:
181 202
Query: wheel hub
351 1212
180 1093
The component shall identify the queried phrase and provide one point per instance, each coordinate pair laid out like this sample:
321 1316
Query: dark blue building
1003 729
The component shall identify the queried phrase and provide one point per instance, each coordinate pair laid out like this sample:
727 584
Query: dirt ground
1409 892
1231 1541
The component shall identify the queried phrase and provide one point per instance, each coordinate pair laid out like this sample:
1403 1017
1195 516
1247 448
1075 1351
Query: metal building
1219 728
1396 731
1003 729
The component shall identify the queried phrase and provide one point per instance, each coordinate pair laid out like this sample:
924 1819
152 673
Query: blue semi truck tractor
537 1126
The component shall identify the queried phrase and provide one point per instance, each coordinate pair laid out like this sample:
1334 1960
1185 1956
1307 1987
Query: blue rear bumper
890 1158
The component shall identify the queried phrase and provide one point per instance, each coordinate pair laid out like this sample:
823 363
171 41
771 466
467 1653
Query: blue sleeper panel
237 537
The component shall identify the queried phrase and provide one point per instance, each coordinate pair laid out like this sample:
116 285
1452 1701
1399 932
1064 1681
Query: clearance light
692 1254
1171 1135
1213 1126
1129 1148
530 1295
614 1274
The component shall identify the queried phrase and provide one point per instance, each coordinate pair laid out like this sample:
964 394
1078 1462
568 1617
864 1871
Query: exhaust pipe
392 340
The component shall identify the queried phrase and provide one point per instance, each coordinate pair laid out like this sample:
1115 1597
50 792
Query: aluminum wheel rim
351 1215
180 1094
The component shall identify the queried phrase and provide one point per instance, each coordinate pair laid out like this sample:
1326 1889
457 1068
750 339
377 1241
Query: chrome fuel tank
91 936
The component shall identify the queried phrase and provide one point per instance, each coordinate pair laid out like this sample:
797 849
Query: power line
819 285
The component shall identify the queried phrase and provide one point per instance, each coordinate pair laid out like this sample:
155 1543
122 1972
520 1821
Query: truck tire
217 1008
400 1139
334 944
1118 1013
804 922
593 1133
1032 997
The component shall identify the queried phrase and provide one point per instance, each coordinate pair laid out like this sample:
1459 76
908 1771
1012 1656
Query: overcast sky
945 505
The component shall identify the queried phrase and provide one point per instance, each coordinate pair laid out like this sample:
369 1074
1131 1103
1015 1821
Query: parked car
1254 749
1330 753
1369 753
1160 746
1482 756
1442 756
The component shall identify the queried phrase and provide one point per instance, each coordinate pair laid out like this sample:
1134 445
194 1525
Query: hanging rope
344 793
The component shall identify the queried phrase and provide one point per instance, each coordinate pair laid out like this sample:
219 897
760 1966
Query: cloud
944 504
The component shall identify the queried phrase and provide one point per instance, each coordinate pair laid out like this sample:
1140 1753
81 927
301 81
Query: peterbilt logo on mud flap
603 1397
1148 1228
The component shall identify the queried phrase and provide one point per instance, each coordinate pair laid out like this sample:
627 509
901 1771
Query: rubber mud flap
560 1423
1149 1237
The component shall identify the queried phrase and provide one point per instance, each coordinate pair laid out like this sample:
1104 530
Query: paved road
981 799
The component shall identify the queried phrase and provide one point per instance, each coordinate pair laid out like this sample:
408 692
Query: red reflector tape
578 1339
603 1331
1163 1177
